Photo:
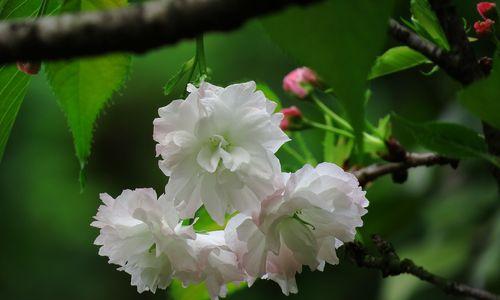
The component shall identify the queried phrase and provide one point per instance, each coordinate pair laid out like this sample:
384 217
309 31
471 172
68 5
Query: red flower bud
291 115
300 82
484 28
487 9
29 67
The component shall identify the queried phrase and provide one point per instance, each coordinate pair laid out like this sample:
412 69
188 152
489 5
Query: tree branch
370 173
135 29
389 263
445 60
460 62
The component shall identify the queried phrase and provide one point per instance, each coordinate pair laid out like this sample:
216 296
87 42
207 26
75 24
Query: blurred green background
447 220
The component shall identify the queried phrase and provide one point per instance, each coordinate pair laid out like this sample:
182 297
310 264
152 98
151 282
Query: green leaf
84 86
172 82
427 24
447 139
270 94
482 98
13 83
396 59
384 128
12 91
341 46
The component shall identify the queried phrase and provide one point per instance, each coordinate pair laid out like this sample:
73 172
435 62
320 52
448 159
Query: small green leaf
482 98
329 30
427 23
447 139
384 128
172 82
84 86
397 59
432 71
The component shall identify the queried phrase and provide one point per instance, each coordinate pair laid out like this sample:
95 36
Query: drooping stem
328 128
335 117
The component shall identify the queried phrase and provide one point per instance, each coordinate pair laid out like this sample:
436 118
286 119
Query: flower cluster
218 148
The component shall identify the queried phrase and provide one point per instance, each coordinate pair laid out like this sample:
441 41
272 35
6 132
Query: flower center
218 141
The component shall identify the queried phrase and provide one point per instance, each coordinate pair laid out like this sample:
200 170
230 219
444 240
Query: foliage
84 86
324 28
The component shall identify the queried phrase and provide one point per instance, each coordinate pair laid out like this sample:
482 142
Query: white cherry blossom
216 264
145 237
318 210
218 148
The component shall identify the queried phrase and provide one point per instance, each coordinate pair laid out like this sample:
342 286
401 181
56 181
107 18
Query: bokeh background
447 220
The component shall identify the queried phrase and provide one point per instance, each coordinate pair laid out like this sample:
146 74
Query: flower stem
343 123
200 54
303 146
293 153
328 128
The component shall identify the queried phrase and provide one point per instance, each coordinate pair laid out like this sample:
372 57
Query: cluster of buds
488 12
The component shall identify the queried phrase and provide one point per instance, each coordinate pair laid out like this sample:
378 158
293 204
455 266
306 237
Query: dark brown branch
134 29
447 61
460 62
389 263
370 173
468 67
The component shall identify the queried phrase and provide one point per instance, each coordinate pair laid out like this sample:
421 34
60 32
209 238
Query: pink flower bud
29 67
300 82
487 9
290 117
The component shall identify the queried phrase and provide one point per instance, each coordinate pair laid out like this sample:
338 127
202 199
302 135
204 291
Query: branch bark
370 173
389 263
135 29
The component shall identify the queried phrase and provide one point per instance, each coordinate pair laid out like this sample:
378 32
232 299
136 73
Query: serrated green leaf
84 86
325 39
447 139
396 59
426 20
172 82
482 97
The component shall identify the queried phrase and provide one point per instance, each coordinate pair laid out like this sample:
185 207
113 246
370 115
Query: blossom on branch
317 211
144 236
218 148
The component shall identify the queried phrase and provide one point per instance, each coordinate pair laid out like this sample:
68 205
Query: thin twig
135 29
370 173
389 263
